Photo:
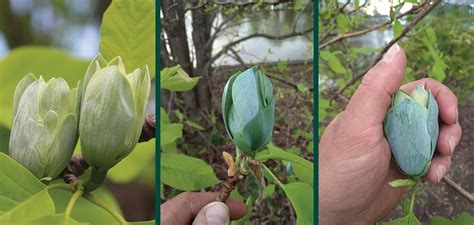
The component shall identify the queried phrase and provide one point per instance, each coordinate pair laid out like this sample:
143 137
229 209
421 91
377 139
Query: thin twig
367 30
459 189
424 11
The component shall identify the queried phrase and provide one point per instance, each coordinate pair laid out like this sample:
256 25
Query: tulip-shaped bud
248 106
411 127
112 114
44 131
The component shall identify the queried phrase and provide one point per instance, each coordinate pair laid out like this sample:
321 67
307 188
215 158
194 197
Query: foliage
54 202
435 48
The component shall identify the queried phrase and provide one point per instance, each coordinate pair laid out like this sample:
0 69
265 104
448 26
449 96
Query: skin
184 208
355 158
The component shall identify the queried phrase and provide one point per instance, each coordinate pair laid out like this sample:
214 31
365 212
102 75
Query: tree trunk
202 22
175 28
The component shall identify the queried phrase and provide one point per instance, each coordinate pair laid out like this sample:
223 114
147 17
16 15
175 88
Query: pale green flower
44 130
112 114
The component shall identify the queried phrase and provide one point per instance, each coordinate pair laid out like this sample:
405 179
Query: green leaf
298 5
194 125
462 219
342 23
17 184
356 3
137 163
300 195
4 139
83 209
54 219
397 28
169 132
42 61
410 219
431 35
402 183
333 61
176 79
128 31
437 72
274 152
151 222
186 173
37 205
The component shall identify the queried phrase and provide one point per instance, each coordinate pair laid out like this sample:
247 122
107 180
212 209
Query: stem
238 157
66 187
96 179
103 205
413 194
72 202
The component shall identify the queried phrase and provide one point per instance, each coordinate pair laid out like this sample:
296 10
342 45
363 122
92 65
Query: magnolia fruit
112 114
411 128
44 130
248 107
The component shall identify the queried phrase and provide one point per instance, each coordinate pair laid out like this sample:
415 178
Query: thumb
214 213
372 98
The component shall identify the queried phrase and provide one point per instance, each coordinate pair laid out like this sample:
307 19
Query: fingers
372 98
439 168
449 137
214 213
447 101
183 208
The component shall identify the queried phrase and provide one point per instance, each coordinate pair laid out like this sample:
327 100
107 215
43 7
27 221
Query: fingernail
217 213
451 144
457 115
391 53
440 172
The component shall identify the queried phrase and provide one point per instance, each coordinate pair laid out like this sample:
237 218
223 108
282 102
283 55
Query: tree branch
459 189
429 5
255 35
367 30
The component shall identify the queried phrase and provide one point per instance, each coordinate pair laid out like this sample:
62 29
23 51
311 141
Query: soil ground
440 199
293 131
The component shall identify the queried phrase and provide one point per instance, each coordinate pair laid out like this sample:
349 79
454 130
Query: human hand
355 158
200 208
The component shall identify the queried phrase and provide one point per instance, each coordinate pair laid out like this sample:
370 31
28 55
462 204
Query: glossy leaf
134 165
128 31
186 173
333 61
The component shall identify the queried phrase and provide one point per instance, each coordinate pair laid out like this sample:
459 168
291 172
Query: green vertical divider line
157 110
315 109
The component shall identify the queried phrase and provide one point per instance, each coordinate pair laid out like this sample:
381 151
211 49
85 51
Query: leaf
169 132
431 35
333 61
402 183
37 205
274 152
194 125
137 163
44 61
342 23
128 31
17 184
356 3
410 219
298 5
176 79
186 173
462 219
300 195
437 72
302 174
83 209
151 222
397 28
4 139
54 219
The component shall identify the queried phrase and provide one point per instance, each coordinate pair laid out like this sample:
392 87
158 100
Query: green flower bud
44 130
248 107
411 127
112 114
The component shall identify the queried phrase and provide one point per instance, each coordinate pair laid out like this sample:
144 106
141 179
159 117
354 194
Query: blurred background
213 40
351 36
58 38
